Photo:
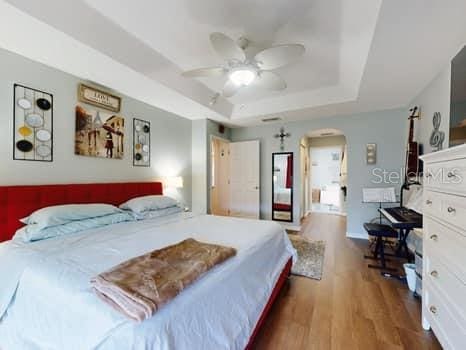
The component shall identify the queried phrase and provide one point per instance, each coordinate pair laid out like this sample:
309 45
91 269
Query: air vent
327 134
272 119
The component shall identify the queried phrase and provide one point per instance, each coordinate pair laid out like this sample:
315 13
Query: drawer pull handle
428 175
433 309
451 174
434 237
451 209
434 273
428 202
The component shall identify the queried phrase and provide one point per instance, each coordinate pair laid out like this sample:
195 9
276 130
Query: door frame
209 173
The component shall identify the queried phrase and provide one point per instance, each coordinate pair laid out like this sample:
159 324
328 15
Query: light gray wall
386 128
434 98
170 135
199 166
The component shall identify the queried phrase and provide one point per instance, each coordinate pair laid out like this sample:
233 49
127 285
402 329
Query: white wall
170 135
434 98
386 128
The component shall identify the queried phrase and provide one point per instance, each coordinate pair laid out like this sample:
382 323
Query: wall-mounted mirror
282 186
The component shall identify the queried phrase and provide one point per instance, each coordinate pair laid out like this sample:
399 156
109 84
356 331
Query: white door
244 179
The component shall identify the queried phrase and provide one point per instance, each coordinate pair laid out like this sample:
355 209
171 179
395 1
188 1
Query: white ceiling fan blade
230 89
204 72
278 56
270 81
226 47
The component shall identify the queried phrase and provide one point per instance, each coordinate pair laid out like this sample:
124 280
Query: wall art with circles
141 143
33 124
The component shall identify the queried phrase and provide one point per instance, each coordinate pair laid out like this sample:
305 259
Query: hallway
352 307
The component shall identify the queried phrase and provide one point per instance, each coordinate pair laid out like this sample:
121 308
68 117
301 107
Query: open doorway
327 179
219 176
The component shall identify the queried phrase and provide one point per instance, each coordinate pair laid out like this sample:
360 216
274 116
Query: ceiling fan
242 70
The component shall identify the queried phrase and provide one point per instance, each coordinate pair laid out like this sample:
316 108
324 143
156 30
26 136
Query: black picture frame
136 135
273 185
15 131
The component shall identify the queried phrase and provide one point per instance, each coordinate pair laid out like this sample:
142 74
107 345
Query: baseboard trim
358 235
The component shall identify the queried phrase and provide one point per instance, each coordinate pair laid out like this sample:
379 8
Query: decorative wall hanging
282 136
33 124
99 98
437 137
99 134
371 153
141 142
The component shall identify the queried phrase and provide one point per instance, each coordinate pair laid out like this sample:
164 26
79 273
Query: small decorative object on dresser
33 124
141 143
444 256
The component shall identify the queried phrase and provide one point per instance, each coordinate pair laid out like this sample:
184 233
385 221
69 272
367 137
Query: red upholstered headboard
17 202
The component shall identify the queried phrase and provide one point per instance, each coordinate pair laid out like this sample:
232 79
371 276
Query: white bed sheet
47 303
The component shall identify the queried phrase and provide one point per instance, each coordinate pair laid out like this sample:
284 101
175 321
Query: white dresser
444 264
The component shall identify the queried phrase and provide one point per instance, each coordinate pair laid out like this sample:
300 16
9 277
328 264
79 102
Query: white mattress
46 301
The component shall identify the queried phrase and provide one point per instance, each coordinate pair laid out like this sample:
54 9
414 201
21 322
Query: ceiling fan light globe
242 77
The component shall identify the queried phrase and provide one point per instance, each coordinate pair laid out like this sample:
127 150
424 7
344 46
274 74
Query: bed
46 300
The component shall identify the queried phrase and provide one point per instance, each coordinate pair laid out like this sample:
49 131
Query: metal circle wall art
141 143
43 135
33 124
43 104
34 120
24 146
24 103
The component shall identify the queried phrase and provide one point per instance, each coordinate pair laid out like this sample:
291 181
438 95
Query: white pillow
62 214
152 214
147 203
30 233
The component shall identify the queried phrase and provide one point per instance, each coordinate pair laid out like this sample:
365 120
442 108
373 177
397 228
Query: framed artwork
141 143
98 98
99 134
33 124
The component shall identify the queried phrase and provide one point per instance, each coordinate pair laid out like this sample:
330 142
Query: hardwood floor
352 307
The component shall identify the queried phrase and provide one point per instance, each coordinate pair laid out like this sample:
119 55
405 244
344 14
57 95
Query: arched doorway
323 158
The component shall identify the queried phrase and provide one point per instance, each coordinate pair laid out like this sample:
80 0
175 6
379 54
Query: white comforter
46 301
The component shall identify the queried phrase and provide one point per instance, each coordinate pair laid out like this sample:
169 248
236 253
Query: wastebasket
410 270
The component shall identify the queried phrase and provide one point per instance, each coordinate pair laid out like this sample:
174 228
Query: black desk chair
380 232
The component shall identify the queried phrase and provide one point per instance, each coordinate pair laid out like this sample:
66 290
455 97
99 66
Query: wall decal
141 143
99 98
99 134
33 124
437 137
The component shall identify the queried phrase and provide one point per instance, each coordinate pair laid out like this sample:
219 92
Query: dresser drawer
447 207
432 203
447 328
453 289
447 176
447 244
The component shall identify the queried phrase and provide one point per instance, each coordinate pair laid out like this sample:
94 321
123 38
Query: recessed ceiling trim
71 56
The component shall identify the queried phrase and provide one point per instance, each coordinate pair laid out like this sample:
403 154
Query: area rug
310 257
